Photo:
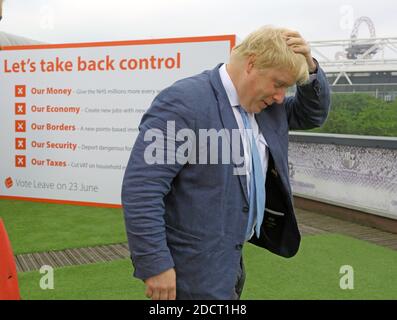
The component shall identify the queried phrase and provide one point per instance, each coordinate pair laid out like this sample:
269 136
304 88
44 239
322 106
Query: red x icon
20 143
20 161
20 126
20 108
20 91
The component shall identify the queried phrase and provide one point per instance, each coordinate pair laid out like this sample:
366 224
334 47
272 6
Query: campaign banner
70 112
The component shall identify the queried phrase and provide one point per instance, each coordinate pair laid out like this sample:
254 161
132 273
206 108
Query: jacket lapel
229 122
268 130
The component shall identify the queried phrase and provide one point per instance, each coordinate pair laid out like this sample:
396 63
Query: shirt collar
229 86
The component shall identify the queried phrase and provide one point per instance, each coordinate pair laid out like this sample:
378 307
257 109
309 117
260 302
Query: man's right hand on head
162 286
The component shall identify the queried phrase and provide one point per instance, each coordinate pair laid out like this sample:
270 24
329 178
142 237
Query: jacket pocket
181 238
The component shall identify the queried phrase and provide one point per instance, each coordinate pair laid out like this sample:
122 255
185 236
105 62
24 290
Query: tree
360 114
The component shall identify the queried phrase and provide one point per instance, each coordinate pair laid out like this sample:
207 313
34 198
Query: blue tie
257 183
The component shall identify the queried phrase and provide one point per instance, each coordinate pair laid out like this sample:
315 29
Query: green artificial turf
100 281
312 274
36 227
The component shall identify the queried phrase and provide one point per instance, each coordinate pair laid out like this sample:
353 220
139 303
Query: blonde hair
271 51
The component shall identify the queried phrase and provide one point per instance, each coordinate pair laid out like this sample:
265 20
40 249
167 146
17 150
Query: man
187 222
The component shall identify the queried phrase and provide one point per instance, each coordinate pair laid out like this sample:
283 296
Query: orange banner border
230 37
77 203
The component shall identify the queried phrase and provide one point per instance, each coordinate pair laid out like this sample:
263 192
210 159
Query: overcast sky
61 21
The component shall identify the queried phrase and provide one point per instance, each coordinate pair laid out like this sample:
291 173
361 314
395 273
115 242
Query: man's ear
250 64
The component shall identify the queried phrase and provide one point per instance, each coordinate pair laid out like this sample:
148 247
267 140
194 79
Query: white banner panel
70 113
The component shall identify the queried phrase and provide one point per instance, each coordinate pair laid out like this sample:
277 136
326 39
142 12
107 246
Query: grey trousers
238 289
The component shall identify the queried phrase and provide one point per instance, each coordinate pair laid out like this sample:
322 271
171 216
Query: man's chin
257 108
261 108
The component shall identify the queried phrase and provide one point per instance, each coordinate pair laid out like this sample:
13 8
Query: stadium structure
366 65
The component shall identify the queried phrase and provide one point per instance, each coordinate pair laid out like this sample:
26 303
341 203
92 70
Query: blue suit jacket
193 216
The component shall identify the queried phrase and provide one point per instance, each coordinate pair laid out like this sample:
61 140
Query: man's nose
279 95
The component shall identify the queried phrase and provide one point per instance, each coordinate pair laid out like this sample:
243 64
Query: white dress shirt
259 138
